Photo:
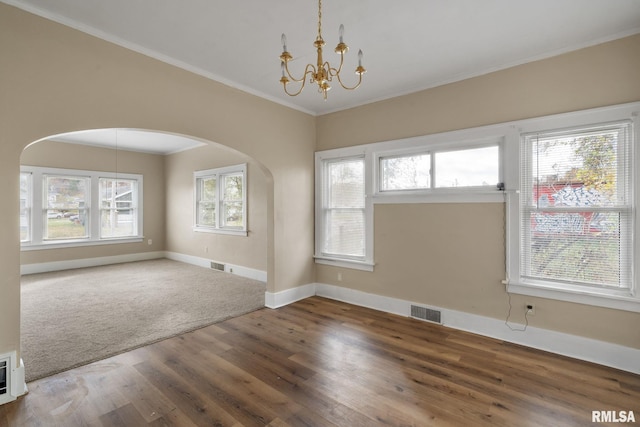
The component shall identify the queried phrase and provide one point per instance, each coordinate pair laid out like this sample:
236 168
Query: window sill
77 243
487 196
220 231
621 301
345 263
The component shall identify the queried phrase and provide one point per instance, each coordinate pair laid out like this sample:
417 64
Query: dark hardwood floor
324 363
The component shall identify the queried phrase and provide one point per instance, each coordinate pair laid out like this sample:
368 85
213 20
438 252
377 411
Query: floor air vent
217 266
425 313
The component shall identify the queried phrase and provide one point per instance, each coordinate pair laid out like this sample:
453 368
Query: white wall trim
249 273
591 350
45 267
288 296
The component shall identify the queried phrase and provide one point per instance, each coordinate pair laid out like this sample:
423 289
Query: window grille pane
405 172
232 214
344 222
207 214
580 169
207 188
345 232
575 208
578 247
467 168
346 184
232 187
65 211
118 208
25 207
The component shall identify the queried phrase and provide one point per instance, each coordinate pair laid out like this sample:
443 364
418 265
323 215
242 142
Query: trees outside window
221 200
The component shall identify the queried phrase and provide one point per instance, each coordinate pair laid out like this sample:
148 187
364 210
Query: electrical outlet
339 277
530 309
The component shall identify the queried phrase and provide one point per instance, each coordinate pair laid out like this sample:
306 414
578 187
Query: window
410 172
344 206
118 207
472 167
25 206
440 168
576 212
220 200
572 207
66 197
568 185
56 207
343 213
453 167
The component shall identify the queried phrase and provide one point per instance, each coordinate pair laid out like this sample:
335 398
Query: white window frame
220 226
113 211
365 262
611 298
372 153
37 241
433 144
508 136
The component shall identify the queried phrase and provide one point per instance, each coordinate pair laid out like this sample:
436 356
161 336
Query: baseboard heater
4 380
424 313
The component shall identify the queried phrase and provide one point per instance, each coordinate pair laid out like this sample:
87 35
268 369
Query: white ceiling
131 140
408 45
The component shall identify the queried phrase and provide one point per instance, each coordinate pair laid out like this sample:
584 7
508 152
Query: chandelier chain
319 19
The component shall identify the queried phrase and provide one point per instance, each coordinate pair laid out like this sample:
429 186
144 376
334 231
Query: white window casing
520 278
220 200
44 205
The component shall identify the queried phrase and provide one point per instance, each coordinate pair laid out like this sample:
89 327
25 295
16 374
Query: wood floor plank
320 362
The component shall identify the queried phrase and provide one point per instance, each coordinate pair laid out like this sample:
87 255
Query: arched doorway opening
166 162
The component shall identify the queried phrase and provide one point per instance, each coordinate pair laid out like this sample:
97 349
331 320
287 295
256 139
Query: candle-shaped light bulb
283 39
360 58
341 32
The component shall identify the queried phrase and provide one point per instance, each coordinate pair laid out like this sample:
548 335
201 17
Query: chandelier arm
294 93
308 69
337 71
347 87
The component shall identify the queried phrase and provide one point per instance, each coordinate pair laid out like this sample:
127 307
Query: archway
168 198
166 163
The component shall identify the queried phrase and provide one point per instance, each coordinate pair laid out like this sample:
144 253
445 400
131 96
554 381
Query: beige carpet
74 317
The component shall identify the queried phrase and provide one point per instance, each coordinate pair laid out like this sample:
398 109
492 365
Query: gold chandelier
324 73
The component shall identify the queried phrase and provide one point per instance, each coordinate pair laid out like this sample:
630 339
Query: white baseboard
591 350
250 273
288 296
46 267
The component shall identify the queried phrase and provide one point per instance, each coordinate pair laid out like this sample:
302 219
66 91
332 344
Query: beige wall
73 156
55 80
451 255
250 251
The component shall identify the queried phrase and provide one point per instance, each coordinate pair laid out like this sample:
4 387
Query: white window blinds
344 208
576 209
